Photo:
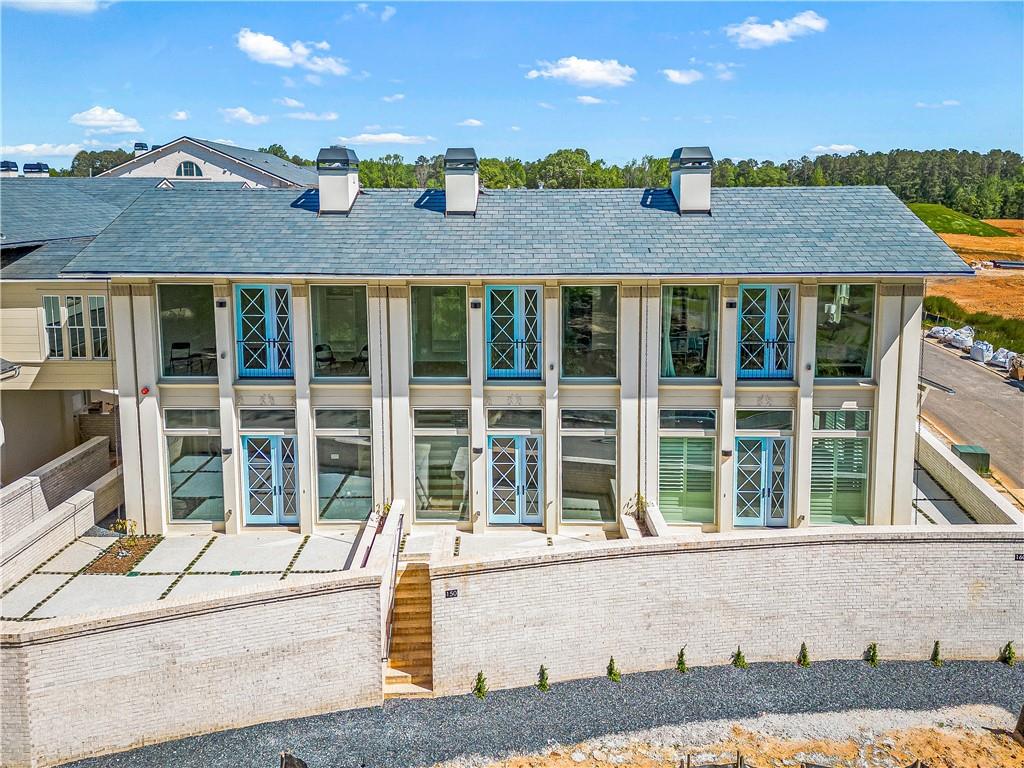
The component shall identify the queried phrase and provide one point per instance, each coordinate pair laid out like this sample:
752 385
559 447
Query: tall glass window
442 465
340 346
687 466
589 331
689 331
589 464
188 339
439 331
839 467
76 327
54 326
845 322
98 324
343 464
194 464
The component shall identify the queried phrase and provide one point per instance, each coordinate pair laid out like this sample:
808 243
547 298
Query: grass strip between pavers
291 563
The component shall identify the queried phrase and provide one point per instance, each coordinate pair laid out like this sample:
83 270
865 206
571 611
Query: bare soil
973 248
1016 226
109 562
997 291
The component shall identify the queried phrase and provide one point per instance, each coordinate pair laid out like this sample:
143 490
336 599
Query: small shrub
542 680
803 658
936 658
127 528
681 660
739 660
480 686
872 655
1008 655
613 671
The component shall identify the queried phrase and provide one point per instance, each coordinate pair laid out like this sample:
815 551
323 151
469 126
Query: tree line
989 185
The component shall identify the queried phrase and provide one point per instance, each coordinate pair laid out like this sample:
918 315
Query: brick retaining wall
901 587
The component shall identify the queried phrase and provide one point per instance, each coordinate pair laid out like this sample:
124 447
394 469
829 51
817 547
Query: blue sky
769 80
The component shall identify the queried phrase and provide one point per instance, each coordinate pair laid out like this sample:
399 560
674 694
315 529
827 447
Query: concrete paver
259 552
20 600
200 585
325 553
173 554
937 506
78 555
90 593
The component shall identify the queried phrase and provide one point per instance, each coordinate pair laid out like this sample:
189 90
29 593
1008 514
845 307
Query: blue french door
514 480
263 327
513 332
762 482
765 329
269 473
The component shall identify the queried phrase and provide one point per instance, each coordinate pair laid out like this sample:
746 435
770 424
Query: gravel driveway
422 732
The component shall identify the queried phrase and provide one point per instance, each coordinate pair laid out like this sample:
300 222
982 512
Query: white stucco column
302 366
127 402
727 406
889 319
477 416
650 375
401 415
629 396
380 389
806 337
552 368
906 406
147 374
231 472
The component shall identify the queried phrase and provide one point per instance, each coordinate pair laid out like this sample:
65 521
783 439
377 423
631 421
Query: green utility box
974 456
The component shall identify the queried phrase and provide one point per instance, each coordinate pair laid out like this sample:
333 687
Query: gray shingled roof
763 231
43 262
304 176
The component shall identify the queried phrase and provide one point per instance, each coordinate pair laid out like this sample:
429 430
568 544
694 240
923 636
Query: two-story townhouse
547 358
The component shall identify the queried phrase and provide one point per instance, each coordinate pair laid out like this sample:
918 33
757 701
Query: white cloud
365 9
321 117
471 122
229 142
514 128
242 115
363 75
313 79
938 104
682 76
57 6
288 101
267 49
589 100
385 138
105 120
40 150
752 34
393 98
388 12
545 105
289 82
374 127
584 72
179 114
834 149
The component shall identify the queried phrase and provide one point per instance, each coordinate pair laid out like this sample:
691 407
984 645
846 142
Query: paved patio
934 504
179 566
420 543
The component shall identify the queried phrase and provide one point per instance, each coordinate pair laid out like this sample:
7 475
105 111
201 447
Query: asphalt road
987 409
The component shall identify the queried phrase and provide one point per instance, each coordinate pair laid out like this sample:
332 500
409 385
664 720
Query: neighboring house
189 159
739 357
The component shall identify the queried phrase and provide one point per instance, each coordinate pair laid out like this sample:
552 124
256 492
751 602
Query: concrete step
406 625
412 609
403 599
407 691
411 642
419 590
414 675
410 657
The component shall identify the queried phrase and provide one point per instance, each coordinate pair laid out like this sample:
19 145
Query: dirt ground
1009 225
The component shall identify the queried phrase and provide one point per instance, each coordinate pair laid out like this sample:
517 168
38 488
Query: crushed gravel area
428 731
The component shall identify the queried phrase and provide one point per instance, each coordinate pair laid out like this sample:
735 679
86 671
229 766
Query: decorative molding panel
120 289
221 291
300 291
730 291
398 292
890 290
376 292
475 292
913 289
142 289
551 292
808 291
632 291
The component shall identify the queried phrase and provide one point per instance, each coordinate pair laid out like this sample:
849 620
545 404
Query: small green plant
1008 655
936 658
803 658
872 655
681 660
738 659
542 680
480 686
128 540
613 671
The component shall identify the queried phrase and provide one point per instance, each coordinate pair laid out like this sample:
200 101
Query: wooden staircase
409 670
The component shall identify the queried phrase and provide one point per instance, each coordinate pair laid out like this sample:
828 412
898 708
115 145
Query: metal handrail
266 358
515 349
764 348
389 627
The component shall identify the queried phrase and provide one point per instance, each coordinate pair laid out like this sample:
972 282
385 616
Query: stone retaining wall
838 590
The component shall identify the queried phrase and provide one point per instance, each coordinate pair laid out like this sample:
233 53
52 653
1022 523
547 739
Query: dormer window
188 169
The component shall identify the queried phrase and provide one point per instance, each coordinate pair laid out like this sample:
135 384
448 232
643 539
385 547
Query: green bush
739 660
613 671
803 658
936 658
997 331
681 660
542 680
480 686
872 655
1008 655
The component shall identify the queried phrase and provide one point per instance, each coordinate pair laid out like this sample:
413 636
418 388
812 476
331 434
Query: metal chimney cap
691 157
336 158
460 158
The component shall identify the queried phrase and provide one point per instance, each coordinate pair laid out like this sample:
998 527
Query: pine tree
803 658
613 671
480 686
738 659
936 655
1008 655
873 655
681 660
542 680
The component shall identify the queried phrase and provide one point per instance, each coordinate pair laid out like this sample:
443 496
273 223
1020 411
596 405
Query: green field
943 219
